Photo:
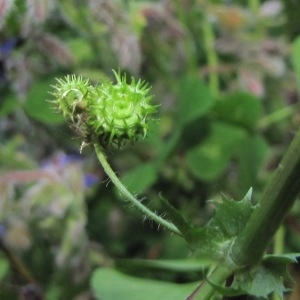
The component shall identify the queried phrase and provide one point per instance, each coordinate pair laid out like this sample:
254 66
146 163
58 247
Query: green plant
236 237
222 73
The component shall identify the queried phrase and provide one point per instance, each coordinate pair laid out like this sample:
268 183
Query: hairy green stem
252 242
277 116
275 203
128 196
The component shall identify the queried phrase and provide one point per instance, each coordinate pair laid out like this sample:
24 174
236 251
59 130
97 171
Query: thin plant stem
212 58
128 196
277 116
17 264
278 248
279 241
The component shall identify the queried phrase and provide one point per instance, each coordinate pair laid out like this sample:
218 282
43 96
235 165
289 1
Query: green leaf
260 283
194 99
168 147
267 277
153 142
108 284
8 105
250 153
37 106
278 263
261 280
231 217
210 158
140 178
176 265
240 109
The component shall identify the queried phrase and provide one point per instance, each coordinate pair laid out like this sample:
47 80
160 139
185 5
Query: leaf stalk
128 196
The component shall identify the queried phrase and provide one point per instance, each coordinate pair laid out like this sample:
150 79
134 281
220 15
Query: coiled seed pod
120 112
71 95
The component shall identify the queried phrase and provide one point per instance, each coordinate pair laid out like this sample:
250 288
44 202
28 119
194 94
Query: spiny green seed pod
111 114
120 112
71 95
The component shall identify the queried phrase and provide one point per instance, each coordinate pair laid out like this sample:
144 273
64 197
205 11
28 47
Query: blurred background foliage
226 75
